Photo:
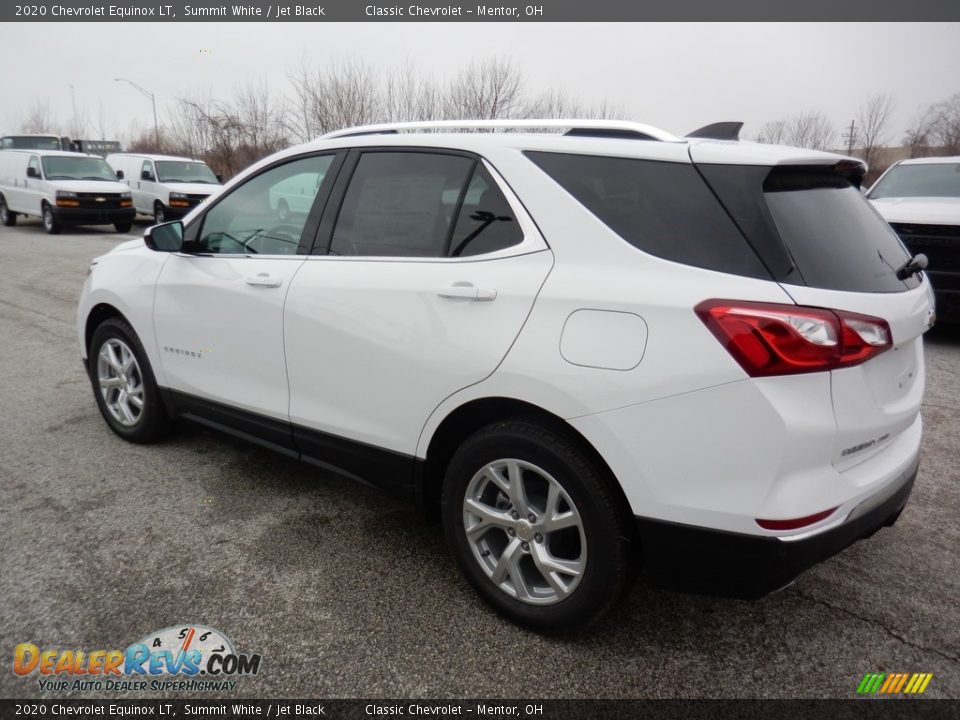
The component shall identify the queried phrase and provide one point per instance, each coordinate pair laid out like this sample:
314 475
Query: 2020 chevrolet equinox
592 346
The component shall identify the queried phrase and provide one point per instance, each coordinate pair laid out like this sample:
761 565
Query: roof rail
603 128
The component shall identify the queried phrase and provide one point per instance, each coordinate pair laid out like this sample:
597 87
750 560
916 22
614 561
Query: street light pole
153 99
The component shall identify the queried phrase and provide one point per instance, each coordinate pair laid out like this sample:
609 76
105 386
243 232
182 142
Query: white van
62 188
164 186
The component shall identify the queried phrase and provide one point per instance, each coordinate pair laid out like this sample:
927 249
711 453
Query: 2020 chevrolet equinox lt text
592 351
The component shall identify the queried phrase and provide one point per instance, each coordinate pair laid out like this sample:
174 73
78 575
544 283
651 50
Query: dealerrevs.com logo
187 658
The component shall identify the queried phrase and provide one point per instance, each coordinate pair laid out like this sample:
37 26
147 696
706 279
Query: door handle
467 291
264 280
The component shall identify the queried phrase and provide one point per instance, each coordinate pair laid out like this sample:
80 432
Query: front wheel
7 217
123 384
50 223
536 526
159 213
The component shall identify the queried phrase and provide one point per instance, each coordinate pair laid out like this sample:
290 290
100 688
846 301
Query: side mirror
220 178
146 175
119 174
32 172
167 237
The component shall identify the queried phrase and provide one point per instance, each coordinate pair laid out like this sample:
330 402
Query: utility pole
153 99
850 135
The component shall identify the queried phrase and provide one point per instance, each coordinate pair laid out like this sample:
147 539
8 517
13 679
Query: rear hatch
828 248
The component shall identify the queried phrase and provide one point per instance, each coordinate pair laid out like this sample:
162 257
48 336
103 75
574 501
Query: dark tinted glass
835 237
662 208
485 222
400 204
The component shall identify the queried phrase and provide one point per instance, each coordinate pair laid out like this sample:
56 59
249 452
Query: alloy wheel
120 381
525 531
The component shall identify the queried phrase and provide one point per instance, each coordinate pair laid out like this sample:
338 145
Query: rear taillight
773 339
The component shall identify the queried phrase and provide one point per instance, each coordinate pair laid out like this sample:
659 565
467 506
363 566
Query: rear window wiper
912 266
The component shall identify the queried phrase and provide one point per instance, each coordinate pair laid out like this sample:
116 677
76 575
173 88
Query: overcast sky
676 76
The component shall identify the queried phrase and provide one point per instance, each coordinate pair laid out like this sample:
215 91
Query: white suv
590 351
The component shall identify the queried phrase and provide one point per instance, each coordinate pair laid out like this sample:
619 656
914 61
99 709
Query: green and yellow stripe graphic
894 683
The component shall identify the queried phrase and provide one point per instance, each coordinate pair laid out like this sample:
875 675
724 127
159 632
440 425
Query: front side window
34 164
147 170
171 171
248 221
921 180
66 167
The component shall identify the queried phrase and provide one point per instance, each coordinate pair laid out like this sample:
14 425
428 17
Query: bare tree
874 121
917 137
38 118
486 89
345 93
773 132
809 130
407 96
945 125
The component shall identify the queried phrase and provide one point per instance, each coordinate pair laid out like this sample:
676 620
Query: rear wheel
159 212
123 384
7 217
50 223
536 526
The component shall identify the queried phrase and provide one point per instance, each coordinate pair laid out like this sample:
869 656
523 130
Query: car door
430 274
33 194
218 306
145 190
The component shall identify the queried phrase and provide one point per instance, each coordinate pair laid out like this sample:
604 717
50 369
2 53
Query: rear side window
401 204
485 221
662 208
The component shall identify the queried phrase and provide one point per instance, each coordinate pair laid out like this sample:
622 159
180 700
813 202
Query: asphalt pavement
346 592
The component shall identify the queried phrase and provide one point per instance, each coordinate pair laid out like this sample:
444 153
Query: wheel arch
468 418
98 314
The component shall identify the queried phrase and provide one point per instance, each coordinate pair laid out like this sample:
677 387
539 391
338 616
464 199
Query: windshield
77 168
185 172
926 180
20 142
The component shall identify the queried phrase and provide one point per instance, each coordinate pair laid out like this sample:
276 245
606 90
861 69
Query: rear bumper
715 562
84 216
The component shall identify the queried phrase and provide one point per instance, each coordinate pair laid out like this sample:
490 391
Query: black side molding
718 131
388 470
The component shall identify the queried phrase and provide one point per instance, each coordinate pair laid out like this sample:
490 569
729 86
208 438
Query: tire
50 223
148 423
283 211
123 227
159 213
597 540
7 216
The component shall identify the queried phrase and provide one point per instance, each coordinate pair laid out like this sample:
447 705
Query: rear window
835 237
662 208
812 227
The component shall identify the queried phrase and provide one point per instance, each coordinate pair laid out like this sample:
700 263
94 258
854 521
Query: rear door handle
264 280
468 291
